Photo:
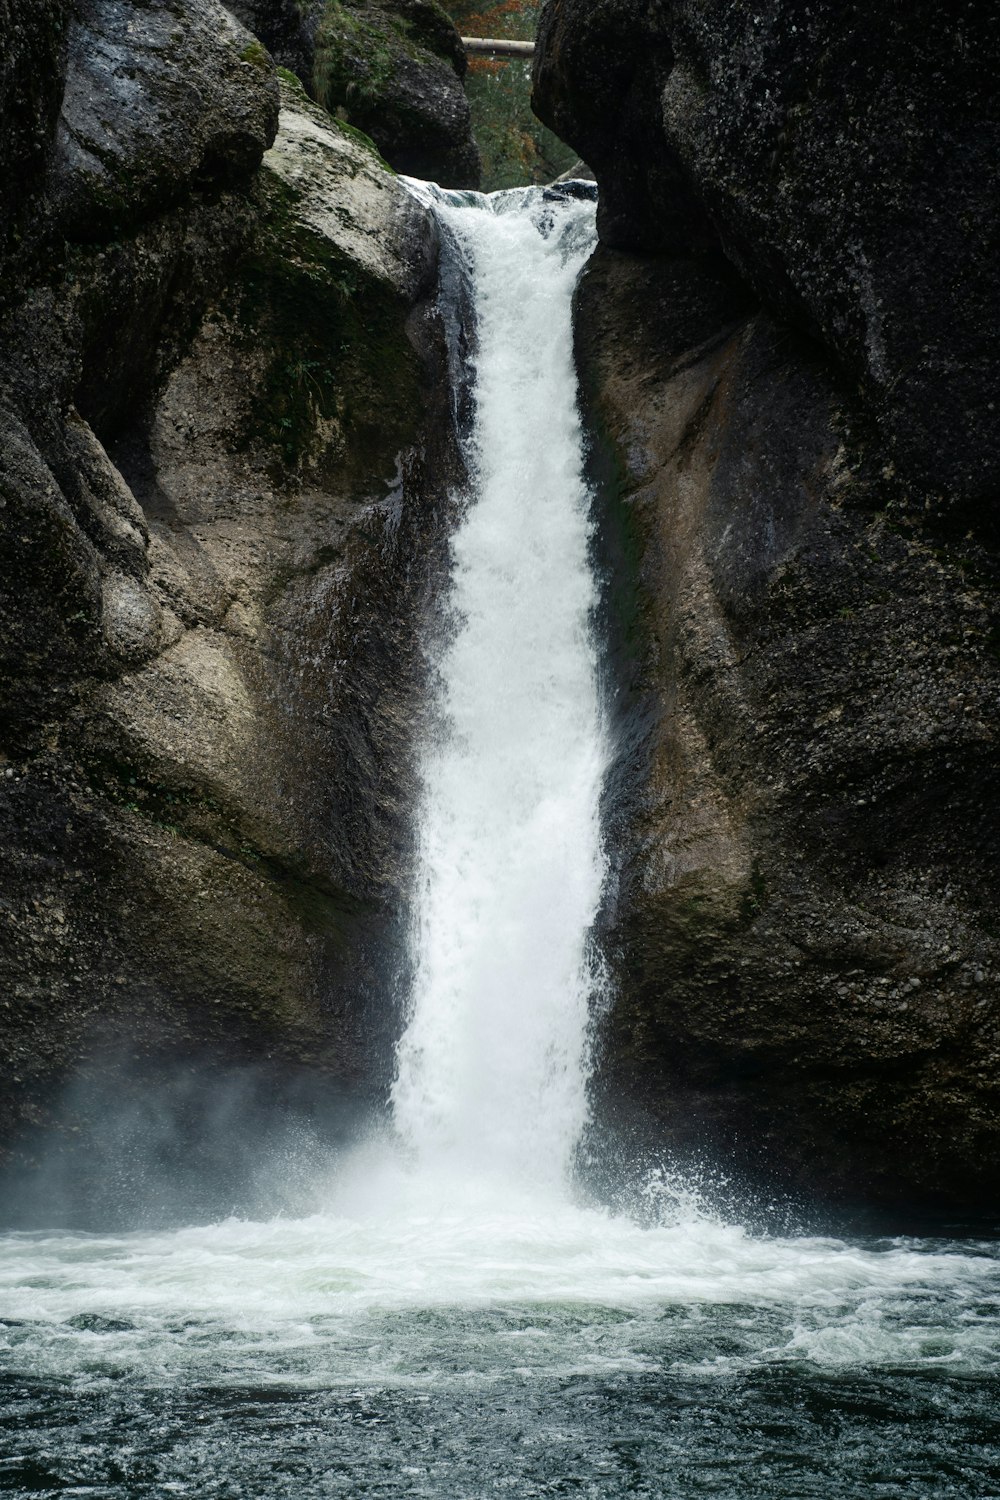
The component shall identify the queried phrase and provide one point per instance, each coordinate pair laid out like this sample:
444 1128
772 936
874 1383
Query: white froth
459 1251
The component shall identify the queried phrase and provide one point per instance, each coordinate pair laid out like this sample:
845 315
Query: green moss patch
292 82
360 139
354 61
337 350
358 50
257 55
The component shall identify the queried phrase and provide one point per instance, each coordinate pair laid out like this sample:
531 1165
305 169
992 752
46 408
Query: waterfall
492 1066
446 1316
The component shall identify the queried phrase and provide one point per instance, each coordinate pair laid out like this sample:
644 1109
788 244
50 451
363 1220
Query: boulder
788 344
391 68
221 511
842 159
395 71
156 103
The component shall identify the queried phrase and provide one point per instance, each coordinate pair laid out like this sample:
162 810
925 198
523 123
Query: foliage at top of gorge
514 144
395 69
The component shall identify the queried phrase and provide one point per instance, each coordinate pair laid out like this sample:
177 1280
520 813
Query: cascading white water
491 1069
448 1318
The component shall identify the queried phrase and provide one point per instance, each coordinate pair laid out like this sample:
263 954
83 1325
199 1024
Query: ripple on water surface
453 1340
433 1353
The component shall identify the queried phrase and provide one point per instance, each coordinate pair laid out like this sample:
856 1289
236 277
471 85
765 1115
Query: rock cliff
391 68
219 397
788 343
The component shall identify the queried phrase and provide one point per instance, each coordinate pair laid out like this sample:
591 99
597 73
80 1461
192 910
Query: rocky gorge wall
223 489
788 342
391 68
225 451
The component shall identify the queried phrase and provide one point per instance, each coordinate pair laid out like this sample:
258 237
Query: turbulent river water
456 1319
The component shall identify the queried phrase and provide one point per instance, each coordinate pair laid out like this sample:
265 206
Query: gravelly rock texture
391 68
786 347
31 81
842 156
219 513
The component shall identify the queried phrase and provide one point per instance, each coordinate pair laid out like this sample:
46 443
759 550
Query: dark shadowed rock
219 512
287 29
32 60
394 70
803 934
157 101
843 158
391 68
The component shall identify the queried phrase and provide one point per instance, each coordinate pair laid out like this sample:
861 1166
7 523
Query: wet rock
50 612
158 100
370 220
106 508
216 478
804 803
842 160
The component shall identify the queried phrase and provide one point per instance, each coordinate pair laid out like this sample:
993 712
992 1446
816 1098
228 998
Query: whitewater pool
427 1348
454 1321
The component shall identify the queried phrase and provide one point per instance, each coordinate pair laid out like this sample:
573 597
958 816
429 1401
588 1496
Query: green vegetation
257 55
357 51
354 59
292 81
295 86
516 147
360 139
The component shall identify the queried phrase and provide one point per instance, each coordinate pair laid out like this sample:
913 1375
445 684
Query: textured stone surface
392 68
369 219
157 101
287 29
789 346
803 933
217 527
395 71
32 54
842 158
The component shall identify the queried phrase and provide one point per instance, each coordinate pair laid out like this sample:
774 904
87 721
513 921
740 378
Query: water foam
459 1252
492 1067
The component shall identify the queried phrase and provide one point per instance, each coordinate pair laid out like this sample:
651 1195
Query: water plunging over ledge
455 1319
492 1066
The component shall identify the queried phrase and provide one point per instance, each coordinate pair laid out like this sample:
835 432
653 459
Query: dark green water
470 1352
762 1433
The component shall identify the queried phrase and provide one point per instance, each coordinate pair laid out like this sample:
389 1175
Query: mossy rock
394 71
342 380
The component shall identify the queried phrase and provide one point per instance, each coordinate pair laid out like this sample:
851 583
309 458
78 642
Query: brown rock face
841 156
220 510
804 937
786 345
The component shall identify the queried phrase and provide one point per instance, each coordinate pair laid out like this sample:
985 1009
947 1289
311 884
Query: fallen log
497 47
